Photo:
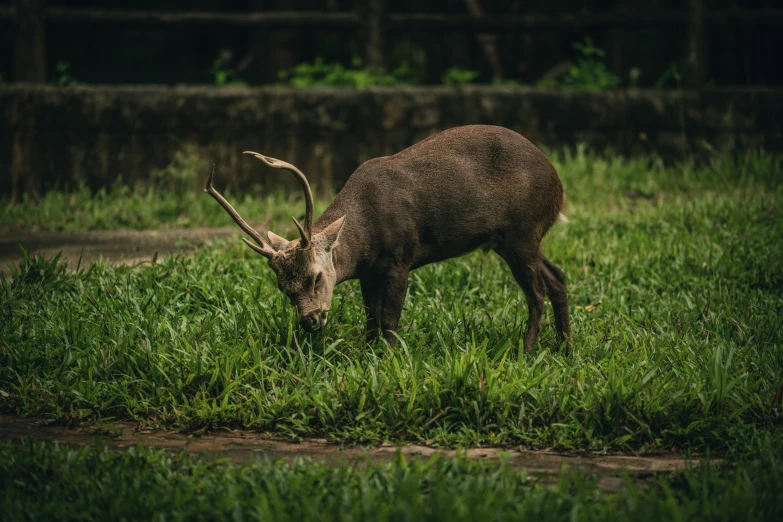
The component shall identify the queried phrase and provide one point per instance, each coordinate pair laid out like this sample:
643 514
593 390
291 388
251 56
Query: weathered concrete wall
93 134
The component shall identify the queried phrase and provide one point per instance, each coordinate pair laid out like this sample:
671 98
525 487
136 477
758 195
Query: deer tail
560 216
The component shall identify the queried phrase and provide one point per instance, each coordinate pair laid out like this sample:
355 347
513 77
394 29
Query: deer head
305 266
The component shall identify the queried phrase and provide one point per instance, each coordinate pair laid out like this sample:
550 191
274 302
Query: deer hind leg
526 267
383 300
555 282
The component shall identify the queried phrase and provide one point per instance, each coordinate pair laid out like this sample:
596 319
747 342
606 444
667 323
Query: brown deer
445 196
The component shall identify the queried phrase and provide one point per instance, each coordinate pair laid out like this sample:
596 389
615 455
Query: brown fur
440 198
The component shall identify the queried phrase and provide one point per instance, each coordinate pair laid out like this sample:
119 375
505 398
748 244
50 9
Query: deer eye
318 278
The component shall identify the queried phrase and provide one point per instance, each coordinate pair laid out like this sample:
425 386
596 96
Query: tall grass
46 482
676 287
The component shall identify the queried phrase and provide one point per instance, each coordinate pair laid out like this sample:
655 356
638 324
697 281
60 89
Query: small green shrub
322 74
458 77
225 76
65 77
589 73
506 82
409 63
671 77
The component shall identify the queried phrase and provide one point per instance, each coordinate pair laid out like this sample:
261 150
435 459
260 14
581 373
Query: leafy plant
506 82
409 63
322 74
672 76
458 77
589 73
224 76
65 77
409 67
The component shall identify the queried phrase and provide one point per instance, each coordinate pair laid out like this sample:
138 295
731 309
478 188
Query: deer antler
263 247
307 231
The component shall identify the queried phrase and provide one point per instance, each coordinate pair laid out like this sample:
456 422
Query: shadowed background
672 78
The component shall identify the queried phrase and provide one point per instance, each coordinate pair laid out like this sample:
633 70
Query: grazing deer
443 197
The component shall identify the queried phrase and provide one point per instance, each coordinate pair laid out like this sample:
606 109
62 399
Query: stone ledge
51 136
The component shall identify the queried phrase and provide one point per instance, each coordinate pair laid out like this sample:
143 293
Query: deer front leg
373 306
383 299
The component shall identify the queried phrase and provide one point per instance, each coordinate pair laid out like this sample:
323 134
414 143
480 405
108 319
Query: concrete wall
52 136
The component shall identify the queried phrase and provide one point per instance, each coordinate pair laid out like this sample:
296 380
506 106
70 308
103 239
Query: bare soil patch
246 446
80 248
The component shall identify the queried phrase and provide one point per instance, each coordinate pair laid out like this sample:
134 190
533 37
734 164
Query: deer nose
311 321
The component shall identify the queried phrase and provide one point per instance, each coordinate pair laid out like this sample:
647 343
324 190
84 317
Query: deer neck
347 254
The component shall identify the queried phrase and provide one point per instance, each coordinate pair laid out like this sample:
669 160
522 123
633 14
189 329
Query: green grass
172 198
147 207
677 306
47 482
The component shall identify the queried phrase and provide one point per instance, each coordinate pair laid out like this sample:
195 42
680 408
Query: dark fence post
695 64
30 44
372 14
488 41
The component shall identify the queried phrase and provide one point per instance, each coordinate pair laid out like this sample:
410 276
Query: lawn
47 482
675 276
676 289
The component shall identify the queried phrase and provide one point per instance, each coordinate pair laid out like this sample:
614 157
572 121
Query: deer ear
332 232
277 242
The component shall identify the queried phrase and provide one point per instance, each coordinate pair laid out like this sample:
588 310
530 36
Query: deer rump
442 197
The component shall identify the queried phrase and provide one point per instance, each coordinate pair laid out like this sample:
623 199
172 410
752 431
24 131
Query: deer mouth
313 321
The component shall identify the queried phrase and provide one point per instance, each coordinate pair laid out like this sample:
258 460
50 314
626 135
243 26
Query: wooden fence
372 21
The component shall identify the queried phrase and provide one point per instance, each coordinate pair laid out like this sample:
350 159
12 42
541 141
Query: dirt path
127 247
246 446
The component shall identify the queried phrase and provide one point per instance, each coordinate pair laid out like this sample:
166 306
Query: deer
456 191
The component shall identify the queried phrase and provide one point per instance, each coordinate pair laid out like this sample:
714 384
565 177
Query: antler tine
263 247
307 231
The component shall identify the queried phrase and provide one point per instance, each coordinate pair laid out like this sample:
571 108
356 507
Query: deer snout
313 320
